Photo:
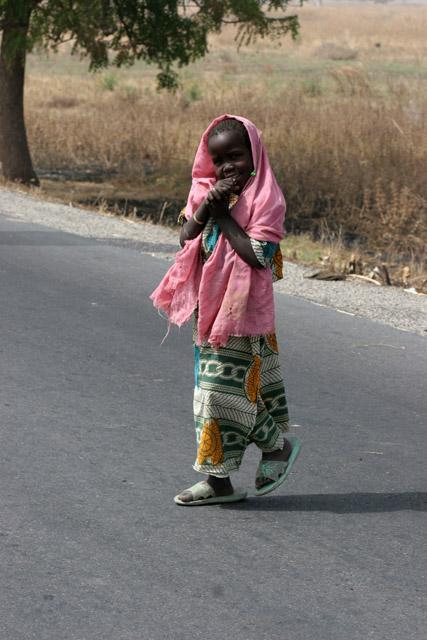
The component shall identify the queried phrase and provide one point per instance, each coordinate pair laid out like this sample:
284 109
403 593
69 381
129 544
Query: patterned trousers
239 399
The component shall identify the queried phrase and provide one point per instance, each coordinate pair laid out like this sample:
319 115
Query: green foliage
194 92
162 32
108 82
311 87
130 92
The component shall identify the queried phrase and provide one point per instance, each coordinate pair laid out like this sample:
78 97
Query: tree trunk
14 152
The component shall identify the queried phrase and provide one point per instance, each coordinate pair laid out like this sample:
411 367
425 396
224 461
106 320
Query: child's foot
221 486
279 454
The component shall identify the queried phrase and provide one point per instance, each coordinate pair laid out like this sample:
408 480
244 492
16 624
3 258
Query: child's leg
272 418
269 436
239 398
224 413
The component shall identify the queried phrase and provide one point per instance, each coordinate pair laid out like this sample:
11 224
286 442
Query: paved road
96 438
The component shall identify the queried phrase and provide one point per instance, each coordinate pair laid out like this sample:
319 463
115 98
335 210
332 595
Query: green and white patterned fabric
239 399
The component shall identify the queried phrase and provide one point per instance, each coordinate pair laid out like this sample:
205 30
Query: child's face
231 157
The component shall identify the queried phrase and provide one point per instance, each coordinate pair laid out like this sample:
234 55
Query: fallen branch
356 276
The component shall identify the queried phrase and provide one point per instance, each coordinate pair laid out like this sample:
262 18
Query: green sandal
277 470
203 493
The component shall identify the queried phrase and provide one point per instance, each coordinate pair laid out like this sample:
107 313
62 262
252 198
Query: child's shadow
336 502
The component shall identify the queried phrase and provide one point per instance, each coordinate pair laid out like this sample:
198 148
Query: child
224 275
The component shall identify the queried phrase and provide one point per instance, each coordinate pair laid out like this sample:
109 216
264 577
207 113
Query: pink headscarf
234 298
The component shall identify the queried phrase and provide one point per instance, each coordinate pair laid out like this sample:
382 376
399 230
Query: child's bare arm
239 239
195 225
216 204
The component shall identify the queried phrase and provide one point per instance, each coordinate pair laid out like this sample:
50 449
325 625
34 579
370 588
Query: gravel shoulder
387 305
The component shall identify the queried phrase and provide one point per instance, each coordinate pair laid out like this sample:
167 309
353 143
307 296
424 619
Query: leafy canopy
161 32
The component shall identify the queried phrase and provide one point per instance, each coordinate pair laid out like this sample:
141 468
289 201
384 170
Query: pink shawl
234 299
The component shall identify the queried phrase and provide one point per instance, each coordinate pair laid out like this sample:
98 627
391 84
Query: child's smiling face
231 157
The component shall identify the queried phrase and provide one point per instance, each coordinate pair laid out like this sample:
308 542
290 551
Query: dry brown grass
400 29
346 134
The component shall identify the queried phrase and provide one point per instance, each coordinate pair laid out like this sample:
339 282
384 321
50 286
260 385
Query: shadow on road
337 502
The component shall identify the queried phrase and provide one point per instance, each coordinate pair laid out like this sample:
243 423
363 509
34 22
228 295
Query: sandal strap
272 469
201 490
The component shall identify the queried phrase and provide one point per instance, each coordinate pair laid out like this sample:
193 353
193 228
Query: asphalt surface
97 437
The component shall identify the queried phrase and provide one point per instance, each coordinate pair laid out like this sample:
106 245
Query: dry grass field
343 111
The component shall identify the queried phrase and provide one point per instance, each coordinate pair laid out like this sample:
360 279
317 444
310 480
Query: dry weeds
346 135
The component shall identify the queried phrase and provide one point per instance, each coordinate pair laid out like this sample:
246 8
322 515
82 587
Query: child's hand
218 197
